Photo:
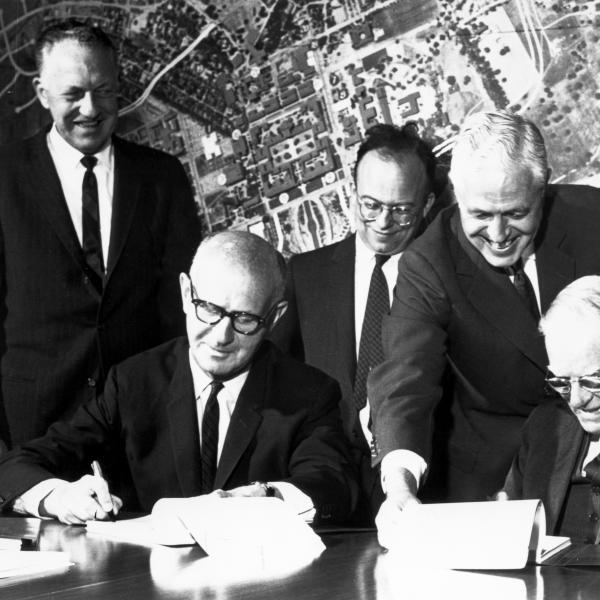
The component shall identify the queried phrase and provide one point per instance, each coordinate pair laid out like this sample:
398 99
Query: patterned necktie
90 219
370 352
210 438
524 288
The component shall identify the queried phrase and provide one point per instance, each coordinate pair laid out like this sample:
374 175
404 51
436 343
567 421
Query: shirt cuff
395 460
28 503
297 499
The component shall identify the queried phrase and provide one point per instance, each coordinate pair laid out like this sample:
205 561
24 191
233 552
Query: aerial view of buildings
265 101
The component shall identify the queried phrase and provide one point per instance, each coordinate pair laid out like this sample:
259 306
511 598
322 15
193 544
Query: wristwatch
269 490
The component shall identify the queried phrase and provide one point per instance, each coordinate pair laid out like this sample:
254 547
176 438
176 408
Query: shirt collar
70 156
202 380
365 255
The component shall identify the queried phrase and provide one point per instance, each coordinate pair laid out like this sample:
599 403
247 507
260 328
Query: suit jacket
458 326
285 427
551 443
59 334
318 327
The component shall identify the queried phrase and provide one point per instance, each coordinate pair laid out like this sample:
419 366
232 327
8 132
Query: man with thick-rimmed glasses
221 410
338 293
558 459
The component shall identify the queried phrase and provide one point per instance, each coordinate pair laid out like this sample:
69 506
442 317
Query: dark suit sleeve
320 464
405 389
287 334
67 449
182 238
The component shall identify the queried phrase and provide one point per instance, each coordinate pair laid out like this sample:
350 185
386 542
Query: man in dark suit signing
463 322
559 456
222 409
338 293
93 232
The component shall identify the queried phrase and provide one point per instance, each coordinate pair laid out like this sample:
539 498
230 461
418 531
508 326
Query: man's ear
40 91
428 203
186 292
278 313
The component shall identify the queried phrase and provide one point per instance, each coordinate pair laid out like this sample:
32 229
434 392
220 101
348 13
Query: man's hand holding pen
83 500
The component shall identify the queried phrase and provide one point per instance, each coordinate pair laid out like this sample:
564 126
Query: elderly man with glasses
220 410
559 456
339 293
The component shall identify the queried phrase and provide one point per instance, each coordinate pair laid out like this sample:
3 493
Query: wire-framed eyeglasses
370 210
563 385
243 322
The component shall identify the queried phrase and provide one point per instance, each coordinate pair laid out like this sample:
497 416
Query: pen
97 471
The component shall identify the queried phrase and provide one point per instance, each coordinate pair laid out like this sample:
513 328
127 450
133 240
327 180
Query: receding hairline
248 253
72 30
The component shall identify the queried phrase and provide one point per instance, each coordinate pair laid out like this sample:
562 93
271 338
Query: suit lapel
245 419
48 194
341 292
555 268
570 437
493 295
125 198
183 428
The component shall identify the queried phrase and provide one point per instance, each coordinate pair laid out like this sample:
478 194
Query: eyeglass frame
568 381
391 208
260 321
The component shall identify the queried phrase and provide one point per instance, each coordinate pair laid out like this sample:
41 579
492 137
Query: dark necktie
370 352
524 288
210 438
90 219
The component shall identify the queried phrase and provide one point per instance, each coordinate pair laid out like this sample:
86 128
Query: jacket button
91 382
86 280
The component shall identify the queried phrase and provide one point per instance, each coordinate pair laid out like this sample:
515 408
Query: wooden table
353 566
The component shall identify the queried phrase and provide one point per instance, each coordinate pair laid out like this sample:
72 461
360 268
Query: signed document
267 528
475 535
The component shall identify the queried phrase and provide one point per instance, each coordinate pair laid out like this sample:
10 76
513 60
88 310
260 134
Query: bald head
245 254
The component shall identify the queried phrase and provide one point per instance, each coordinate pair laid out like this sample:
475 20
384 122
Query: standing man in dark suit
93 232
463 322
334 317
223 409
558 460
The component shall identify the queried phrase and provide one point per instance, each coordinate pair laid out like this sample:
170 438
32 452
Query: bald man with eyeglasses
338 294
219 411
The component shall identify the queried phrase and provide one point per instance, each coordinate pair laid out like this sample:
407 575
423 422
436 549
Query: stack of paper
14 563
473 535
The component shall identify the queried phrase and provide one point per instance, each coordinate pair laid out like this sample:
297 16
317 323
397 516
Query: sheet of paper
14 563
265 529
469 535
10 544
146 531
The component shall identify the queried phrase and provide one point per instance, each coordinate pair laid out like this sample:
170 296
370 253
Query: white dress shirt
67 161
364 261
410 460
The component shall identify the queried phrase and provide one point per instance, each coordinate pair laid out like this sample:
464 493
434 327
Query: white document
473 535
266 529
14 563
10 543
146 531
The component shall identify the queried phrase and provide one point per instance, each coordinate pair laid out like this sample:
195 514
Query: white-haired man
558 459
463 323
